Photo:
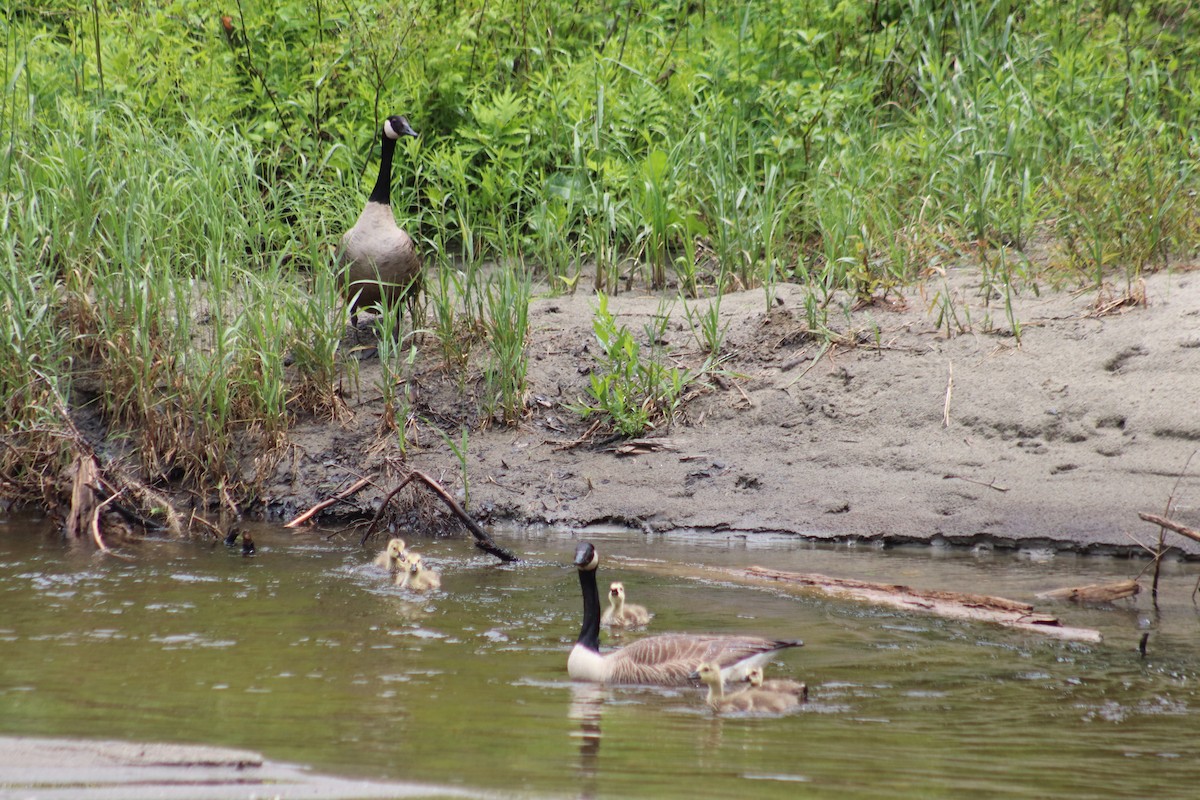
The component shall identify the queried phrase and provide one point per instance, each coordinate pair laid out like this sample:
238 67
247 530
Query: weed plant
632 390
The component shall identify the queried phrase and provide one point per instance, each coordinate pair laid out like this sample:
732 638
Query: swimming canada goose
390 558
751 699
377 257
755 678
669 659
620 614
413 575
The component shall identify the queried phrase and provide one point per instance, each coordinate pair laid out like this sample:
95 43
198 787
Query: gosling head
755 676
414 563
616 591
709 673
394 127
395 548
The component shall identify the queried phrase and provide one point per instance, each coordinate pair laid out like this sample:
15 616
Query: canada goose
752 699
667 659
413 575
755 678
377 257
390 558
620 614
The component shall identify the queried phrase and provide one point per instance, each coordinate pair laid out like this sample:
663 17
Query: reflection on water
306 652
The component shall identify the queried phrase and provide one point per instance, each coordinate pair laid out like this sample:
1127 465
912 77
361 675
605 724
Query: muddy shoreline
897 432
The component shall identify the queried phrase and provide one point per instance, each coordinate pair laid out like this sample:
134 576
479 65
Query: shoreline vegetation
173 183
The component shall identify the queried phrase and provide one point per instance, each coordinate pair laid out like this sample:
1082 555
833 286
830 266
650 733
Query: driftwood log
1094 592
1170 525
950 605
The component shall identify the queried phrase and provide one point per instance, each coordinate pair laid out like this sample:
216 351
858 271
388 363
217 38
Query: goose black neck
382 193
589 634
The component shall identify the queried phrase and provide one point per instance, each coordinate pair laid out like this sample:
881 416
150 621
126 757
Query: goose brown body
378 258
666 659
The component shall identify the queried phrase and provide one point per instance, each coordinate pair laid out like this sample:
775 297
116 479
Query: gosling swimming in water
755 678
415 576
620 614
751 699
391 556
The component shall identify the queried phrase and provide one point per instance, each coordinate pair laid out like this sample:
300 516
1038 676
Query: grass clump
633 391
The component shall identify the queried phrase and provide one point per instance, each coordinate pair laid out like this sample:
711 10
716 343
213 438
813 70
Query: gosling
391 556
415 576
750 699
620 614
755 678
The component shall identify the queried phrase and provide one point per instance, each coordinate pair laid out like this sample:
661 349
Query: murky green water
306 653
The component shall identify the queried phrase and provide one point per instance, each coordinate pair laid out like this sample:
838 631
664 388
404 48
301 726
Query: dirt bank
898 433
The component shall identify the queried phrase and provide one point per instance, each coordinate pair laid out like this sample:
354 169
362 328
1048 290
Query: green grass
172 184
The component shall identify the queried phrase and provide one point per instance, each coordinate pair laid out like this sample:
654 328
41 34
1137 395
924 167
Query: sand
901 430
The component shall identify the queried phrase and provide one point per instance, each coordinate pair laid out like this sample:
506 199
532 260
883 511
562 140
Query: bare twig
483 540
1170 525
1162 528
990 484
327 502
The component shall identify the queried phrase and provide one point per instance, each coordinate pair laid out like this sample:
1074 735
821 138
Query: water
307 654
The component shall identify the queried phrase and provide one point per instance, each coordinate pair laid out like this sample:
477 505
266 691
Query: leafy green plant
507 327
632 391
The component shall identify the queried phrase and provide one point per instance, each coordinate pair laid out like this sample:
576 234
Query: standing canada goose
391 556
413 575
755 678
669 659
752 699
620 614
378 259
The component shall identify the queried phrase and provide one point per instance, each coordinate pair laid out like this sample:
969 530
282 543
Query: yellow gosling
620 614
750 699
391 556
418 578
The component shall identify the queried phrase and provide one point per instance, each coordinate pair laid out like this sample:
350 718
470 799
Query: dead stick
326 503
482 540
379 514
96 523
990 485
1170 525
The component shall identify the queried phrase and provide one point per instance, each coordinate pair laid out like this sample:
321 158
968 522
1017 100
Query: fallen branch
1094 592
950 605
1170 525
326 503
482 539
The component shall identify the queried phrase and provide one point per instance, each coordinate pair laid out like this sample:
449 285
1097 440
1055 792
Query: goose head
586 558
396 126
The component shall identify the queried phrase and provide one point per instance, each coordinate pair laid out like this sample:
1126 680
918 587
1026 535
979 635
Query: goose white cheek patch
389 131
